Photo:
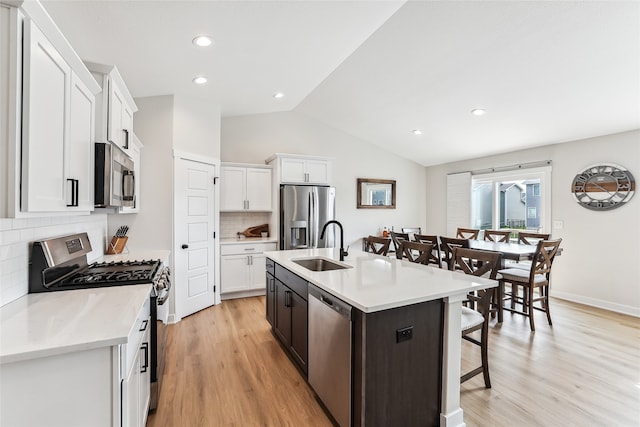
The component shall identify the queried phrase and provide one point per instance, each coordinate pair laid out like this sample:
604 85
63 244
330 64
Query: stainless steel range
60 264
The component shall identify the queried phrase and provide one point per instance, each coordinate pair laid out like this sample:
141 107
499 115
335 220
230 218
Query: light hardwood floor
226 369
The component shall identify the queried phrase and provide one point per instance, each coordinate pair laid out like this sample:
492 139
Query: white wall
252 139
196 126
600 263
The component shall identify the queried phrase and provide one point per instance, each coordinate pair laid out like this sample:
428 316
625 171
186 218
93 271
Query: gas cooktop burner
114 273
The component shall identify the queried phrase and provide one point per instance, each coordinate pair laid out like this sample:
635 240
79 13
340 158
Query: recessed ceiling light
417 132
278 95
478 112
200 80
202 41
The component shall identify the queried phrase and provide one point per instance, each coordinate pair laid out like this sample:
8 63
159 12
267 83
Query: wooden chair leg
500 300
529 291
485 354
546 303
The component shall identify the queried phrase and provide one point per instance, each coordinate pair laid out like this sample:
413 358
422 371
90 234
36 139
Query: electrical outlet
404 334
558 225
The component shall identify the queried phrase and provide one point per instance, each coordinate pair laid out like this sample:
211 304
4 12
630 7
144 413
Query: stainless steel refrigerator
304 210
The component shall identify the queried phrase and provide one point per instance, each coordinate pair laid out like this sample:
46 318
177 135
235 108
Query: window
535 190
518 200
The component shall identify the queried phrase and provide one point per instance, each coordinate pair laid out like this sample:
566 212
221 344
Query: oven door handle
162 298
164 294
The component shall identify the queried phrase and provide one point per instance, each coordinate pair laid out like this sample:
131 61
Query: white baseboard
243 294
618 308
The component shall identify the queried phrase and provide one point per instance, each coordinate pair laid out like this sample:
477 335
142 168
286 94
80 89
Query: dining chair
497 235
415 252
536 278
476 316
414 230
467 233
411 231
446 248
377 245
435 257
396 238
525 238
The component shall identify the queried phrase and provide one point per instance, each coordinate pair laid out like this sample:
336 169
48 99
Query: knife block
117 245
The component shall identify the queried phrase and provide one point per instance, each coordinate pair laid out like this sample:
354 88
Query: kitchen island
405 331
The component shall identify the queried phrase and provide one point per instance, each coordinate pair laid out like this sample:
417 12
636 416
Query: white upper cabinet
114 107
46 88
245 188
47 116
80 160
57 130
293 169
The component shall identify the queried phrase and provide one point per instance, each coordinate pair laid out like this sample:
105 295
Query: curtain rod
512 167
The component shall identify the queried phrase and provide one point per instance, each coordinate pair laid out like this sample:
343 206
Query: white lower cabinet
136 390
242 269
105 386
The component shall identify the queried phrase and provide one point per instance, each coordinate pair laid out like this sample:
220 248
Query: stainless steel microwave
115 178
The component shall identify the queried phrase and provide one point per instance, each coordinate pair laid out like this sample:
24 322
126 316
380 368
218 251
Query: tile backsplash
233 222
17 234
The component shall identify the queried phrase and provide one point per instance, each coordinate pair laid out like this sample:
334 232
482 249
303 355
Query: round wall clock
603 187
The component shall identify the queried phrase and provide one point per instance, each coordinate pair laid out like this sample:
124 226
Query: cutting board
255 231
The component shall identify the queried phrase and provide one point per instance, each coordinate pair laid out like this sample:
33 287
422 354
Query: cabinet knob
185 246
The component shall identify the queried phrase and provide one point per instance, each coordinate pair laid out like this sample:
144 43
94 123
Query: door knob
185 246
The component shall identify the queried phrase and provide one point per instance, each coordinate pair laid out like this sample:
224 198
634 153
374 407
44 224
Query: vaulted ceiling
544 71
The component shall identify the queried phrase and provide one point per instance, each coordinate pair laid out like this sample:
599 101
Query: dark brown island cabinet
396 353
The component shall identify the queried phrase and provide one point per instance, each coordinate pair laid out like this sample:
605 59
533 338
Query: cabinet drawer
271 267
135 337
296 283
247 248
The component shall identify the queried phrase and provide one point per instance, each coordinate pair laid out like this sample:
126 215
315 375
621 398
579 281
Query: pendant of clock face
603 187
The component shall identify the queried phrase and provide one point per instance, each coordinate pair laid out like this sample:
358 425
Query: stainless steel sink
319 264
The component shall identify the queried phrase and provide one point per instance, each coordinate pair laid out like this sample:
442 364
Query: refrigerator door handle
313 228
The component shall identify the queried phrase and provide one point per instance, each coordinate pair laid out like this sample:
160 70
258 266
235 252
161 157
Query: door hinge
214 234
214 288
215 180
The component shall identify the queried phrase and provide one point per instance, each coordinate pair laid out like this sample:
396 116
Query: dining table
510 251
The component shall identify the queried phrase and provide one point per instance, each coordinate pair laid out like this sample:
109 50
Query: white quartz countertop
139 254
236 241
52 323
376 282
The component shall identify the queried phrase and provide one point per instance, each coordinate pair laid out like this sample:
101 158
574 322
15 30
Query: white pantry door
194 236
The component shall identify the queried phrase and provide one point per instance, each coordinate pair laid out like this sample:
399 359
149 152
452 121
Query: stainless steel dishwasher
330 353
